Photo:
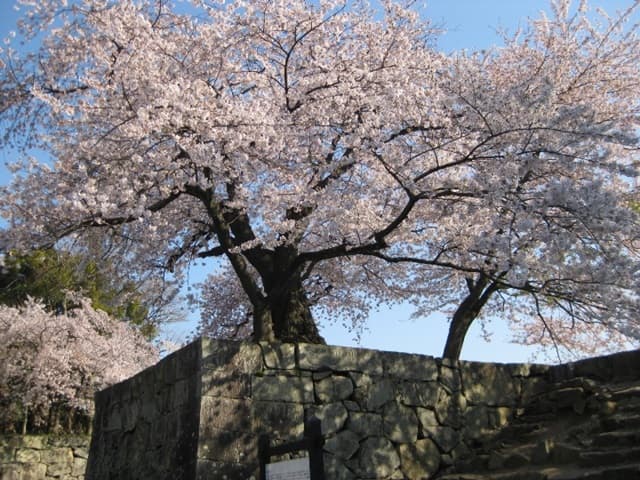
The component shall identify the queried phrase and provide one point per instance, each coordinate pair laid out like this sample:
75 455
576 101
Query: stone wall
42 457
385 415
147 426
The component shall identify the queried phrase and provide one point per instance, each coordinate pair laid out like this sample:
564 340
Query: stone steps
547 453
630 471
620 421
616 438
608 457
580 430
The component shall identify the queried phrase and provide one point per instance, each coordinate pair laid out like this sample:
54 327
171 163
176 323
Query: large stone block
219 383
278 419
449 378
129 416
533 387
189 361
489 384
342 359
57 455
333 389
361 380
37 442
343 445
282 389
365 424
176 366
81 452
476 421
13 471
182 393
499 417
223 446
400 423
224 414
136 453
378 458
25 471
141 435
149 409
112 420
420 459
379 393
243 357
619 366
59 464
73 441
336 469
332 416
27 455
419 394
445 437
520 369
209 470
79 467
279 356
427 418
404 366
352 406
449 408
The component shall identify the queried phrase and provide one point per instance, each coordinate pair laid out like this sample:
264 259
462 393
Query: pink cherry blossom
48 359
328 157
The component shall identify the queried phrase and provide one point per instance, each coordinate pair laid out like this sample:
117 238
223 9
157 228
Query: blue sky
472 25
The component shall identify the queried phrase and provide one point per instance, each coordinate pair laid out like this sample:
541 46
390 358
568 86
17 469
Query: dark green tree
49 274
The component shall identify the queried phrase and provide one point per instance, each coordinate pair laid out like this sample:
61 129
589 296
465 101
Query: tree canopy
50 275
331 160
52 364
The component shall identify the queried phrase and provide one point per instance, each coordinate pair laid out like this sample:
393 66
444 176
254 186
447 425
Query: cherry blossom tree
330 159
50 361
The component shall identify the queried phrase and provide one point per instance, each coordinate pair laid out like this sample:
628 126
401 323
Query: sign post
305 468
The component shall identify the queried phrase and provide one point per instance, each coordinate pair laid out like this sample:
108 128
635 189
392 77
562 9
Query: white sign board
297 469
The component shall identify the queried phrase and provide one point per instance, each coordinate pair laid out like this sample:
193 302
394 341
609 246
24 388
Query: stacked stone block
147 427
43 457
199 413
384 415
390 415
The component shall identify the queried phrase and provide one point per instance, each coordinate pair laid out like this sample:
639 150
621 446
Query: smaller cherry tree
52 364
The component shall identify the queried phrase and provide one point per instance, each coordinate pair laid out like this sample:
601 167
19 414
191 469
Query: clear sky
472 25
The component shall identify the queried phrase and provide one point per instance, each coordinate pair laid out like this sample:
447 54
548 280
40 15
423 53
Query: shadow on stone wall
199 412
147 426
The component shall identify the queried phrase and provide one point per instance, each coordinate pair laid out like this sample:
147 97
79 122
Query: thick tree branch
222 230
98 220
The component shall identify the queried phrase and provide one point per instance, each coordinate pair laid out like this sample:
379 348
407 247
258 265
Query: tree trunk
291 316
25 420
285 314
263 325
460 323
480 290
